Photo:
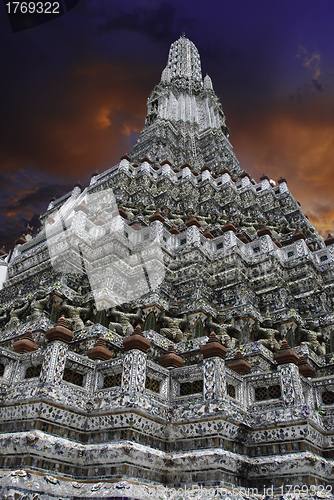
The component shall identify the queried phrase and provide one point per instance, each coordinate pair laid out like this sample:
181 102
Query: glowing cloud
310 61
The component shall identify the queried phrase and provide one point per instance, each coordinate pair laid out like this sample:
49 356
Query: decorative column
3 267
266 244
174 240
245 179
76 191
156 227
287 360
166 169
55 355
225 176
283 187
11 365
214 376
145 167
186 172
93 178
193 233
230 239
124 164
80 217
265 184
134 363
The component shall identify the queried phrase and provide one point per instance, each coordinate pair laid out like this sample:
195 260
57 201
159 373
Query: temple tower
170 326
185 122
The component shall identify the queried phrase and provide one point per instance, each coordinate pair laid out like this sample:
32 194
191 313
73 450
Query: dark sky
74 93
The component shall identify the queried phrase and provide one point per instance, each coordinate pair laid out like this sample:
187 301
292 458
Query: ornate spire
183 62
185 122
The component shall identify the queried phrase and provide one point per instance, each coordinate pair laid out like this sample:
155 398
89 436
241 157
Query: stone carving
74 312
15 313
311 338
226 332
37 305
175 327
267 335
126 320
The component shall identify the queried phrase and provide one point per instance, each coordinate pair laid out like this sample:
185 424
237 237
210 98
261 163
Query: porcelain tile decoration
169 332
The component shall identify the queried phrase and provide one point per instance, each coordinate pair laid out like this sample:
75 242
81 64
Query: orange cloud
82 124
102 118
86 119
324 223
311 62
23 212
298 145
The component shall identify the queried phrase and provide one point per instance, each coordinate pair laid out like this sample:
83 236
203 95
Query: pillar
214 373
55 355
134 363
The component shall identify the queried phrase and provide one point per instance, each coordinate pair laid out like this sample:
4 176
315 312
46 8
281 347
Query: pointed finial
137 331
284 345
99 351
28 335
100 342
60 332
213 338
62 321
171 359
183 34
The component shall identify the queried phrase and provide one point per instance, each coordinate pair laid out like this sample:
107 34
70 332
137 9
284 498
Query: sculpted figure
286 228
247 220
174 327
114 326
125 321
4 316
74 312
267 335
223 330
322 349
38 304
222 218
311 337
15 313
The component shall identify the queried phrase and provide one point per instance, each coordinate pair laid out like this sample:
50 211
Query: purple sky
74 93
